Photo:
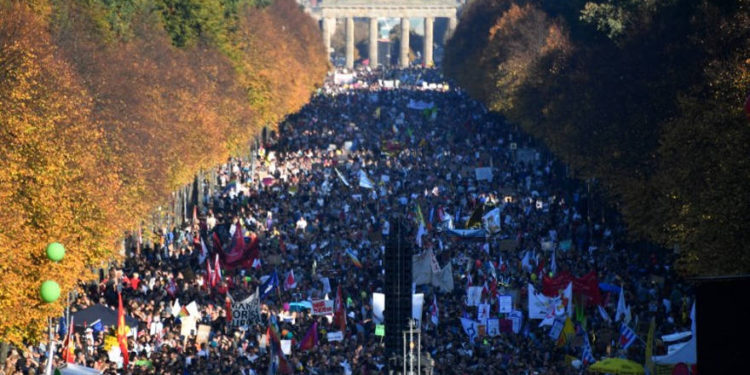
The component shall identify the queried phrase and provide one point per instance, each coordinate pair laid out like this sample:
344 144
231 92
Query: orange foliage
97 131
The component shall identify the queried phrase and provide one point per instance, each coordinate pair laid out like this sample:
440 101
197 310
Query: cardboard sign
203 332
322 307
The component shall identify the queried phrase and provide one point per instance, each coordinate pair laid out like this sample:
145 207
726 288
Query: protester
318 197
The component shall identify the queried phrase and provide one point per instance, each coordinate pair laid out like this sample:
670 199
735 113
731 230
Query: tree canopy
646 96
106 106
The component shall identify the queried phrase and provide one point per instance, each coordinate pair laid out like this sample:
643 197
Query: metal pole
51 347
419 350
403 360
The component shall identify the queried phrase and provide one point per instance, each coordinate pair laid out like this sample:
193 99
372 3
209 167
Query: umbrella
617 366
107 316
300 306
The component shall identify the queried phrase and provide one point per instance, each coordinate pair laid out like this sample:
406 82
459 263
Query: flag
627 336
649 347
310 340
271 283
176 307
69 347
587 355
204 252
475 220
339 314
209 276
290 282
434 312
526 262
122 340
604 314
217 271
491 221
341 177
621 307
354 259
365 181
470 328
567 333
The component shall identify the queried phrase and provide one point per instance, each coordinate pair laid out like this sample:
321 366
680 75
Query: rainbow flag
354 259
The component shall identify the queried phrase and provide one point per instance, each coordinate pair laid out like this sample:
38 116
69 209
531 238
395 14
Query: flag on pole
122 340
621 311
553 264
339 314
434 312
341 177
587 356
69 348
271 283
365 181
209 276
204 252
604 314
217 272
627 336
310 340
354 259
289 281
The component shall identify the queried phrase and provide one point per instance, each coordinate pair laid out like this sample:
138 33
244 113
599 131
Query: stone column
326 23
373 55
349 42
452 22
427 47
403 57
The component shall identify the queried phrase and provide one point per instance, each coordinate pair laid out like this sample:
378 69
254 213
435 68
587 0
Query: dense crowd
419 146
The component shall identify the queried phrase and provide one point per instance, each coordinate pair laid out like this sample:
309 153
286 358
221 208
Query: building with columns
328 11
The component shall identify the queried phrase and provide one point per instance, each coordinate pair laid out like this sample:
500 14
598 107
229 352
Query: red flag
228 306
290 282
311 338
69 348
216 279
339 316
209 275
121 331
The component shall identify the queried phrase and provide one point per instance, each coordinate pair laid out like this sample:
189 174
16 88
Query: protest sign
380 330
483 313
286 347
493 327
505 304
378 306
188 326
203 332
335 336
322 307
417 304
246 312
473 295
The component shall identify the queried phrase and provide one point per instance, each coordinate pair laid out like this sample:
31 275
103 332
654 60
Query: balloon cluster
50 290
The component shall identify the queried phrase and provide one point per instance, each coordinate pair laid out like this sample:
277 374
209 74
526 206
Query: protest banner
493 327
246 312
322 307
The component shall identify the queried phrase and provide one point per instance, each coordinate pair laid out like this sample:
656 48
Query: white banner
286 347
246 312
335 336
473 295
417 305
540 306
378 305
505 304
322 307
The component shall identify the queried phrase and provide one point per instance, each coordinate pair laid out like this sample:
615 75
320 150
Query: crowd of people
302 198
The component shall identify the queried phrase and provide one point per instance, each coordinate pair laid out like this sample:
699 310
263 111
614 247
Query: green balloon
50 291
55 251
